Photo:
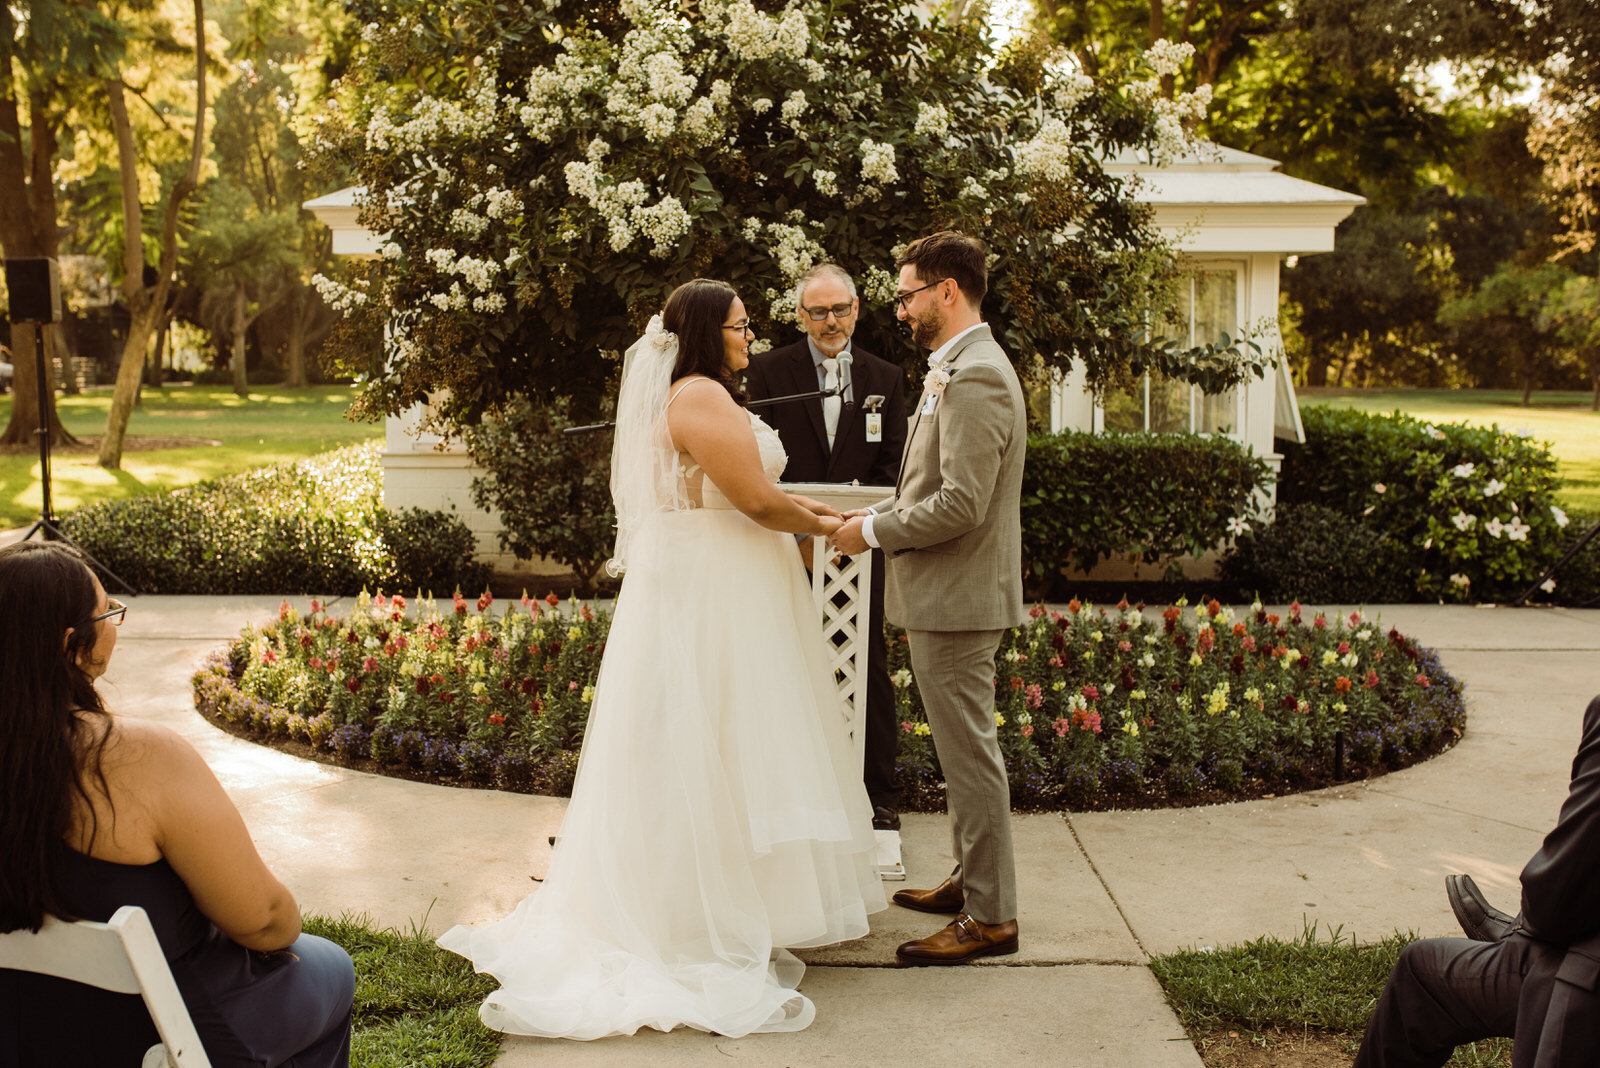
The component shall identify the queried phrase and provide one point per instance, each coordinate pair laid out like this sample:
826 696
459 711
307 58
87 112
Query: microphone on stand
846 384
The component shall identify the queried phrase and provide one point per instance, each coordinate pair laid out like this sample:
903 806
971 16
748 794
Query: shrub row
1085 497
1391 508
316 525
1094 706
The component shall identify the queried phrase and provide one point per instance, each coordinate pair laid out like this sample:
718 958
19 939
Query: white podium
842 592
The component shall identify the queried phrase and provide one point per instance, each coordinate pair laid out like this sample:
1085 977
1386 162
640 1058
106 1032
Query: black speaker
35 286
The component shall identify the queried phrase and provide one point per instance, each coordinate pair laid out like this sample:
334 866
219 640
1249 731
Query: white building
1234 216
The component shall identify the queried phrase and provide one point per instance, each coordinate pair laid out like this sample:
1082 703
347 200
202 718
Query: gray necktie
830 405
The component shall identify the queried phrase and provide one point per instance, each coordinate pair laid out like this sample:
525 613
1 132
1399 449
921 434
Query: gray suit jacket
952 533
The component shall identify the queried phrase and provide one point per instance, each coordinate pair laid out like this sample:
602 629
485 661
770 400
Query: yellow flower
1131 729
999 720
588 694
574 633
1195 660
922 730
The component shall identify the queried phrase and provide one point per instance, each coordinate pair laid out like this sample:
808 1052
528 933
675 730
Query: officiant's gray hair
824 270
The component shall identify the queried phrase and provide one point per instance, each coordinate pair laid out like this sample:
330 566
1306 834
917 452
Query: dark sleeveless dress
251 1009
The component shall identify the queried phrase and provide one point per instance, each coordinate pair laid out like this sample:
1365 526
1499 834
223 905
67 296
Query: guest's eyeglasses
902 298
743 327
115 611
838 311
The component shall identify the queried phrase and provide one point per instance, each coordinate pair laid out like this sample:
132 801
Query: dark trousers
1445 992
882 726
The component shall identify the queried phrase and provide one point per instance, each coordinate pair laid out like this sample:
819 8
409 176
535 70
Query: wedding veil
644 465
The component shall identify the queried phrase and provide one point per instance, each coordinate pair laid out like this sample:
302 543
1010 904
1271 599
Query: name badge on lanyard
874 426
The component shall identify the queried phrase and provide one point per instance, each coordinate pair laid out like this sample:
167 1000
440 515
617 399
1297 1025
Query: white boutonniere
937 378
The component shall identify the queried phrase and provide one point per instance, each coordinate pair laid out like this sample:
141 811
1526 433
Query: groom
952 535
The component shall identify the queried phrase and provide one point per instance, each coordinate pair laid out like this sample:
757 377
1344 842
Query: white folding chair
121 956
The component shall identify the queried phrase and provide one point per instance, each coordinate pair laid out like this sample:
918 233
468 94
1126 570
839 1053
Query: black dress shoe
1479 920
885 818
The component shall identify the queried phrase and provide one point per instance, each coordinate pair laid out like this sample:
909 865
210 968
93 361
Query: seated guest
1533 977
99 811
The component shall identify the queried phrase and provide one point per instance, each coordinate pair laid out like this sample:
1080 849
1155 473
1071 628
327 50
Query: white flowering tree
546 172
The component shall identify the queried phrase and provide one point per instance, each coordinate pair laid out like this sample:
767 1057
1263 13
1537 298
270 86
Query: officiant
842 439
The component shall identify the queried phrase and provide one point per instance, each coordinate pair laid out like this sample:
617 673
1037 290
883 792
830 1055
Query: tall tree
147 303
48 52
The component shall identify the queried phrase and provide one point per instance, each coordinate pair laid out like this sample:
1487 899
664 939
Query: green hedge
1450 512
314 526
1154 497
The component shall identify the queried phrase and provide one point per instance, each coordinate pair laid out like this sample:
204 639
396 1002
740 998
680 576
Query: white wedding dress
718 814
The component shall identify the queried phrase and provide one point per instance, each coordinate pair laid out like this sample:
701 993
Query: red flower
1341 685
315 662
497 720
485 600
527 686
1372 680
353 684
1238 630
284 610
1016 683
369 665
422 686
399 602
551 599
1319 624
1214 608
306 640
269 657
1036 611
1073 606
1344 647
1091 692
316 606
351 637
1027 730
448 698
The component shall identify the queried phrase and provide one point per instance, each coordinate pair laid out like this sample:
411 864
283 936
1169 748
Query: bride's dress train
718 814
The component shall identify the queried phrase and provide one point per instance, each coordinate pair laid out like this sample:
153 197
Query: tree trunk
241 382
1595 407
300 305
147 306
25 392
21 235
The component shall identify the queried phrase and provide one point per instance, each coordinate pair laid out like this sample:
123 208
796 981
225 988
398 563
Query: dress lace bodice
773 460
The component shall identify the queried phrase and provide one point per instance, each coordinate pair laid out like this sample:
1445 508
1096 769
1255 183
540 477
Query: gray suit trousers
955 674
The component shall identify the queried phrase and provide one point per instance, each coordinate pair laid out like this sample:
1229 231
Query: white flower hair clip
658 336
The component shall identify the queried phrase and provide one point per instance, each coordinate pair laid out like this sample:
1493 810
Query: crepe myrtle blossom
877 162
1492 487
1459 579
1463 521
1463 470
1237 525
1560 516
1548 585
1517 530
1494 527
932 119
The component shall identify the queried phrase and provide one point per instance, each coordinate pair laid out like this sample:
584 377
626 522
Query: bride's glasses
741 327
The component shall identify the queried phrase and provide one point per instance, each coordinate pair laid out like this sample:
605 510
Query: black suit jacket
799 424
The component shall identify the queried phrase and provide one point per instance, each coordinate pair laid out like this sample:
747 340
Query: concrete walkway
1100 892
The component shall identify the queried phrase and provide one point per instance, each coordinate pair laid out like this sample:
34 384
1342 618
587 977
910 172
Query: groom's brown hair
950 254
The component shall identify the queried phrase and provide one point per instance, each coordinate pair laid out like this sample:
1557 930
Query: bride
718 814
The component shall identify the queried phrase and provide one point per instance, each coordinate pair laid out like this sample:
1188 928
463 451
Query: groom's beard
926 328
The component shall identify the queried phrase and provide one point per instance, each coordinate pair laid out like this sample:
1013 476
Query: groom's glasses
902 298
743 327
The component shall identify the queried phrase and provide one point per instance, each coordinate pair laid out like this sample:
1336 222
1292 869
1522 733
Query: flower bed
1096 707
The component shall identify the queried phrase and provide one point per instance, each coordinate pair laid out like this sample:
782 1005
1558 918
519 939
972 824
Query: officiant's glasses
902 298
838 311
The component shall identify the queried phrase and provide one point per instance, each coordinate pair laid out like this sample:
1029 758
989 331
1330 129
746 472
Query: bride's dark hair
695 312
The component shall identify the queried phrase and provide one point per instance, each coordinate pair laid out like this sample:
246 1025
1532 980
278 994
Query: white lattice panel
842 592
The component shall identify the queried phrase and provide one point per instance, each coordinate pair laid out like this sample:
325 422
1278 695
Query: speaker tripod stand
46 523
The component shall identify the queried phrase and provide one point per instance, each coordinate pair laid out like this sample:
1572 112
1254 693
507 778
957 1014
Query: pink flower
485 601
1422 680
316 606
1036 611
1091 692
1319 624
269 657
1035 697
1124 646
1249 644
1062 727
572 685
1344 647
369 665
1027 730
1091 722
906 726
284 610
1372 680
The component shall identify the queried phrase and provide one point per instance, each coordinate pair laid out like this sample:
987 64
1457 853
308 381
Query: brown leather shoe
942 898
961 941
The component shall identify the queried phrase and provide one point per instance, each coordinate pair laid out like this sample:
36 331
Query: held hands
847 539
827 525
814 506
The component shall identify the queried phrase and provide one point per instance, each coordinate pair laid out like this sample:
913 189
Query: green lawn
1565 420
273 424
